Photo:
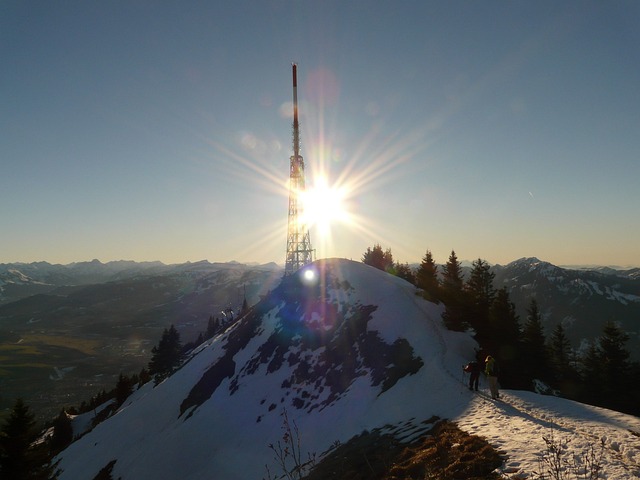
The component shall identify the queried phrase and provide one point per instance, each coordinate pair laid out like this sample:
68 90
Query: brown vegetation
443 453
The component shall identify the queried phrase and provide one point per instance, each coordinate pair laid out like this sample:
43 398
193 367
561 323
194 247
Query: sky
140 130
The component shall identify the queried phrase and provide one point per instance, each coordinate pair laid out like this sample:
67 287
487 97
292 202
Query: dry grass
443 453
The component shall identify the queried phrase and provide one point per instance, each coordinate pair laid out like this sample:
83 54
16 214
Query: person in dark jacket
474 369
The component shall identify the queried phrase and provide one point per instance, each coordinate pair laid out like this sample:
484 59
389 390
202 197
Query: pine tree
480 292
480 283
62 432
376 257
504 338
427 278
403 270
634 390
124 388
592 374
212 327
452 280
143 377
535 362
245 307
21 458
453 295
615 362
166 356
560 355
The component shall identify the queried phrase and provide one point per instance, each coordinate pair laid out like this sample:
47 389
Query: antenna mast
299 251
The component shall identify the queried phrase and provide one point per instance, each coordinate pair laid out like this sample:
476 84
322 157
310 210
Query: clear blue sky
148 130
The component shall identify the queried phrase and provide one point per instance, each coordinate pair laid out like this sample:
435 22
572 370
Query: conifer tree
560 355
21 458
62 432
634 389
166 356
124 388
534 352
200 339
615 362
245 307
143 377
452 280
427 278
453 295
403 270
592 374
480 292
376 257
212 327
504 338
480 283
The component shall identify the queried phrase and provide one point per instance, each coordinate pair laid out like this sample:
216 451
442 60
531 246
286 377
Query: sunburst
338 177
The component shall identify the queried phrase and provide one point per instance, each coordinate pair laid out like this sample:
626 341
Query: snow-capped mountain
340 348
582 300
21 280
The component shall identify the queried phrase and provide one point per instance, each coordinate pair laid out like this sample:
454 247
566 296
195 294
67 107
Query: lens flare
309 276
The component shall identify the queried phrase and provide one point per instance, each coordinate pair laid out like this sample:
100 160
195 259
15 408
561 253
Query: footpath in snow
518 424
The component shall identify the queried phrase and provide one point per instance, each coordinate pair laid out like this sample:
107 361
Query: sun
324 205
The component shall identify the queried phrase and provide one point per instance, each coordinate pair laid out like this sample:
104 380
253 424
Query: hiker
491 371
474 369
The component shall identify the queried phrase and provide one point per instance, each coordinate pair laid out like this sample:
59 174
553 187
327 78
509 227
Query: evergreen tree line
528 357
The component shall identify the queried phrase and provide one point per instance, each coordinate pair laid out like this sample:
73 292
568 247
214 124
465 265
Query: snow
612 294
227 436
517 426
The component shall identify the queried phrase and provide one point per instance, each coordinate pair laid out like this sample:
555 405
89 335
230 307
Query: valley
60 348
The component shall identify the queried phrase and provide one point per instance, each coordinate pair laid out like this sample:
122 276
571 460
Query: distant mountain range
20 280
67 331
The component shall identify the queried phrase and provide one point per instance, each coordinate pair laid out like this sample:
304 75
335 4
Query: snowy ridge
354 349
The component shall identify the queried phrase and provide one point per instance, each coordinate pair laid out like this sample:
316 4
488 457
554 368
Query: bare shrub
288 454
558 463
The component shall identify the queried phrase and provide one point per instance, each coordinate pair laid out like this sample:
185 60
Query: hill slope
349 350
582 301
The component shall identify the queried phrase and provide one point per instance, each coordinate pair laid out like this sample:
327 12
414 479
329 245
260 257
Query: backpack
492 368
471 367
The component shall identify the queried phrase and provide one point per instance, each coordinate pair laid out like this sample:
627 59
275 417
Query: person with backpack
491 371
473 368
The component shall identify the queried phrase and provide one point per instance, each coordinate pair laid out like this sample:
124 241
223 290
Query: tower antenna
299 251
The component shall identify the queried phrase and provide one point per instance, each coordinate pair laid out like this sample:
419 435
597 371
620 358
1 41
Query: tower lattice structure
299 250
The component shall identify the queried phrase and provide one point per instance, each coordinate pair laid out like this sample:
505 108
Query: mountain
68 331
581 300
607 270
66 342
21 280
334 354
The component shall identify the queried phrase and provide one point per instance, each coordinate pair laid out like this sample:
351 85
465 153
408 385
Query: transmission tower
299 251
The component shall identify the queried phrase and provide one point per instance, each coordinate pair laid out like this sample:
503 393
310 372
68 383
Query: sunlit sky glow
162 130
